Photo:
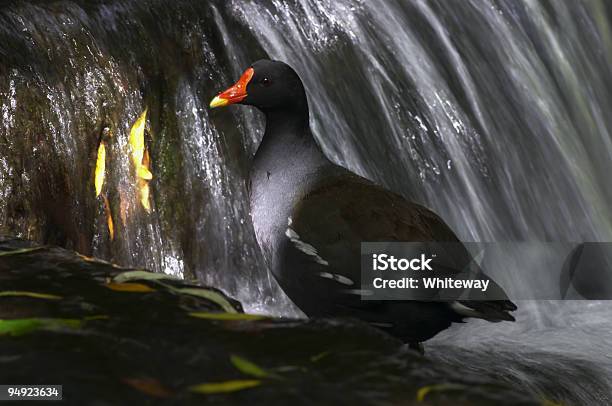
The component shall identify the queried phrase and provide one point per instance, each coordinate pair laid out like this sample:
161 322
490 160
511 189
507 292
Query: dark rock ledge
113 336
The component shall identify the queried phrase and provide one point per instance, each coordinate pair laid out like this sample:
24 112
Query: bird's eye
266 82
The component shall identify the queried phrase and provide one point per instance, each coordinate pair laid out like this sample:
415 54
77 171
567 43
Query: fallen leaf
109 219
20 251
100 168
141 160
144 173
206 294
29 294
226 316
149 386
225 387
17 327
129 287
248 367
144 191
318 357
141 275
136 140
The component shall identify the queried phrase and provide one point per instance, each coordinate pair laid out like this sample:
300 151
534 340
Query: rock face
122 336
78 75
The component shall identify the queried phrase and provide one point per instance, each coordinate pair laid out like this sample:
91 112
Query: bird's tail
490 310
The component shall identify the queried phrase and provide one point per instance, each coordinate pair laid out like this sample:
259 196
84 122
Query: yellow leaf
144 173
225 387
143 191
100 168
137 139
111 227
29 294
226 316
109 219
425 390
129 287
247 367
140 160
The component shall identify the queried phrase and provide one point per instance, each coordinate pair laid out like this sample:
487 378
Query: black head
267 85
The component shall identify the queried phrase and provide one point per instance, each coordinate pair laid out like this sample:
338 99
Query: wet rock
111 335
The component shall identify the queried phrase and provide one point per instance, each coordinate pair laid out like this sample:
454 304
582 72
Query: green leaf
18 327
226 316
29 294
20 251
247 367
140 275
225 387
318 357
206 294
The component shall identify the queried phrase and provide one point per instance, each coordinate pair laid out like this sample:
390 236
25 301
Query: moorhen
310 216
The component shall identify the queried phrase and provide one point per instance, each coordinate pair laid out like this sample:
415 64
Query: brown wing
321 255
368 212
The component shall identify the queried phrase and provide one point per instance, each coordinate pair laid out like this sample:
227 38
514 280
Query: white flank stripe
336 277
464 310
304 247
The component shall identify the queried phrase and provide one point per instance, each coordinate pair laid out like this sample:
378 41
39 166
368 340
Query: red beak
234 94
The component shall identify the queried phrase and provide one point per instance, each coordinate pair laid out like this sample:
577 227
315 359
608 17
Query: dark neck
287 142
291 122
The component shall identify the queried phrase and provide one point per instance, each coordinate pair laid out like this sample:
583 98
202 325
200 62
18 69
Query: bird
310 216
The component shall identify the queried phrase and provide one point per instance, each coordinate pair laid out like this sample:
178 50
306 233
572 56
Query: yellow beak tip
218 102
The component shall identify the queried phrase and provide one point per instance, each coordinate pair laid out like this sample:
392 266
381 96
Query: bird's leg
418 347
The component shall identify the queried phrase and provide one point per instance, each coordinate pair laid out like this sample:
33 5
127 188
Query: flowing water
495 113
